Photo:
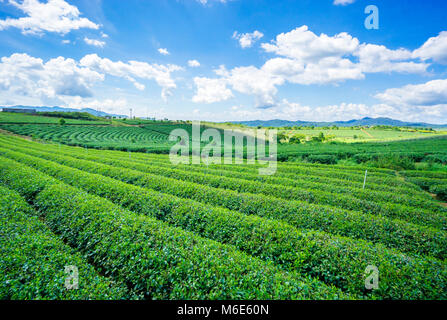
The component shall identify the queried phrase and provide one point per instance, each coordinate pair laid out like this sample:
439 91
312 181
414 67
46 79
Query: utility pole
364 181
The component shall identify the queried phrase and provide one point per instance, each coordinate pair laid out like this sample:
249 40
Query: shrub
394 162
440 190
33 259
153 258
324 159
253 233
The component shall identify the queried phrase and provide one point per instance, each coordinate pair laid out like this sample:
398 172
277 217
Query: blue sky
227 60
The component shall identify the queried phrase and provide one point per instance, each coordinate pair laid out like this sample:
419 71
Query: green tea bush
267 239
325 159
394 162
407 213
33 259
393 233
152 258
440 190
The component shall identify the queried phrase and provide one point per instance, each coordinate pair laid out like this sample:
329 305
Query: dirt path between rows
434 196
363 130
9 133
444 204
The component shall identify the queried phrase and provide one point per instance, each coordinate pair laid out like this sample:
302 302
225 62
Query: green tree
281 137
321 136
295 140
61 121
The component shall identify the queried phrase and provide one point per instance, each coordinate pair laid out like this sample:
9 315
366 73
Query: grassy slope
6 117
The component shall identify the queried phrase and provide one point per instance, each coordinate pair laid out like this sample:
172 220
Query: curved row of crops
33 259
168 262
434 182
303 182
153 138
393 233
222 232
391 210
433 149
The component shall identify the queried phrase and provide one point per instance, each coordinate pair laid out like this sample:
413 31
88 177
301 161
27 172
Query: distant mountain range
361 122
61 109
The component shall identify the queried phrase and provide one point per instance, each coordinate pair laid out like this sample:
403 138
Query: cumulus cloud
295 111
246 40
331 59
29 76
302 57
107 105
434 48
193 63
287 110
342 111
23 75
211 90
53 16
304 45
254 81
94 42
143 70
377 58
247 80
163 51
343 2
431 93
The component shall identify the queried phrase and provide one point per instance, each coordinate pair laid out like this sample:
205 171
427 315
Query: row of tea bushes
393 233
151 257
318 254
33 259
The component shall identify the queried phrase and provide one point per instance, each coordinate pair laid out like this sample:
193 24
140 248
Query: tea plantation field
139 227
22 118
154 138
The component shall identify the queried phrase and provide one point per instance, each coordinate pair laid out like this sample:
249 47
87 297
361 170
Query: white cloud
163 51
211 90
65 41
137 85
204 2
343 2
306 58
338 112
53 16
26 76
434 48
29 76
304 45
431 93
94 42
377 58
104 35
246 40
326 71
193 63
331 59
253 81
118 106
143 70
247 80
343 111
